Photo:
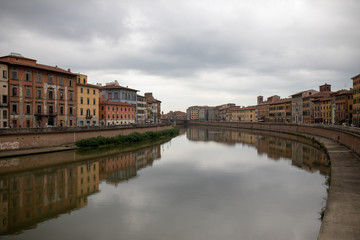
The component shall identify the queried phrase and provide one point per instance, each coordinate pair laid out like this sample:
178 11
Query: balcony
88 117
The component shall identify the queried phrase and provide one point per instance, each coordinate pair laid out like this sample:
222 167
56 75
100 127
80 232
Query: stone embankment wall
347 136
15 139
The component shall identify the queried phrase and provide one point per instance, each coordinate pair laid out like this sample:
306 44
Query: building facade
116 113
39 95
141 110
356 100
153 108
280 111
4 92
87 102
297 105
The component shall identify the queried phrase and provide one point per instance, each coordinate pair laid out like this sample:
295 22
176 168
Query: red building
39 95
116 113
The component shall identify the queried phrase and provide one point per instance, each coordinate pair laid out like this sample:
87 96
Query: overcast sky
192 52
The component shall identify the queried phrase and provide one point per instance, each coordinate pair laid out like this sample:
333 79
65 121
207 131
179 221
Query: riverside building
87 102
39 95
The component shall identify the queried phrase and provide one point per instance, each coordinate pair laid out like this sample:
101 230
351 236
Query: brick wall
12 139
343 135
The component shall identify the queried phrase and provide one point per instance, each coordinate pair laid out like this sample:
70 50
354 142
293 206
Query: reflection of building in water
118 168
145 157
35 196
305 156
4 187
88 181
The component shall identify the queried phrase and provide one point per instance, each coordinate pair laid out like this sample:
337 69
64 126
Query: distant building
39 95
116 113
153 108
356 100
192 113
343 106
87 102
297 105
280 111
141 109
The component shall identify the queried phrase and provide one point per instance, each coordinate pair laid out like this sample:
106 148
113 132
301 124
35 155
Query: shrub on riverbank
126 139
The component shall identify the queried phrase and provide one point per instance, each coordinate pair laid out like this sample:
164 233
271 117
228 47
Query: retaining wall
349 137
15 139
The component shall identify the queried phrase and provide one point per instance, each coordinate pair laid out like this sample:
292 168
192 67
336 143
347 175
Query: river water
204 184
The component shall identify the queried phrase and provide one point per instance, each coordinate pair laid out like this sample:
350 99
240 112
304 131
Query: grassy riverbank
126 140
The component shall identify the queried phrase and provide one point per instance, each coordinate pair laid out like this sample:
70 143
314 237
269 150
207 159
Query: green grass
126 140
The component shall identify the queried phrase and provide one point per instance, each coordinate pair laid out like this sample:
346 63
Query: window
51 94
81 111
88 112
81 100
116 95
14 90
50 79
81 90
70 110
14 108
4 114
94 92
38 77
14 74
70 82
88 101
70 95
84 80
4 99
94 112
88 91
94 101
61 81
28 108
5 74
27 76
102 108
110 95
27 123
61 93
51 109
27 91
61 109
38 109
38 92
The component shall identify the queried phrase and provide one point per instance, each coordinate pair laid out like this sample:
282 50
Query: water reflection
187 188
38 194
302 152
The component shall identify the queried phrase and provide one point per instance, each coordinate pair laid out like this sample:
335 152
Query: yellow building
247 114
87 102
87 182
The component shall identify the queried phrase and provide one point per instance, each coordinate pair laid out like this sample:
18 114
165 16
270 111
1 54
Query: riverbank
20 139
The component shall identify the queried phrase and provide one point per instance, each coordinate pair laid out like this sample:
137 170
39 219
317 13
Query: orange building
116 113
343 101
39 95
280 111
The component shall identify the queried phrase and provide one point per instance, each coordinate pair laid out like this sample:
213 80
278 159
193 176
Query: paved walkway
342 214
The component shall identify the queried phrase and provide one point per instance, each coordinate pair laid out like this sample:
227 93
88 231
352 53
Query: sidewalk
342 213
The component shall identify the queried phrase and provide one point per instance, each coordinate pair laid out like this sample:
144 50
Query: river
207 183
